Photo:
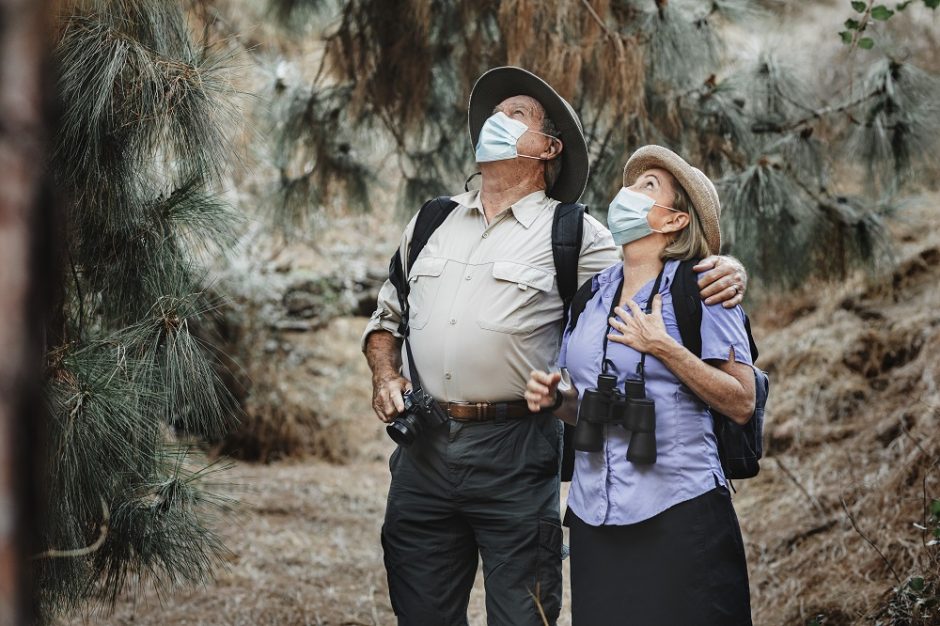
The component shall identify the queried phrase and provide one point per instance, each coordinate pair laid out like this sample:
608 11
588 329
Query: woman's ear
676 222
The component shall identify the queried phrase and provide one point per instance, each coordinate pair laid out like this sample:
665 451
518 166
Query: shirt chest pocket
424 281
516 300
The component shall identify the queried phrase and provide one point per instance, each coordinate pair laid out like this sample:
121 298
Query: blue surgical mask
627 216
498 138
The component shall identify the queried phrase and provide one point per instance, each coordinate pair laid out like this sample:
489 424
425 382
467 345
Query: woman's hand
540 391
642 332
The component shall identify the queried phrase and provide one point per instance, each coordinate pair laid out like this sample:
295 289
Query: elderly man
483 312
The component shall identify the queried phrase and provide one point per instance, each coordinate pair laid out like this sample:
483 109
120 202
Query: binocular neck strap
606 364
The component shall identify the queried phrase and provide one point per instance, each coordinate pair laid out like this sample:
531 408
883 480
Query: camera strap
606 364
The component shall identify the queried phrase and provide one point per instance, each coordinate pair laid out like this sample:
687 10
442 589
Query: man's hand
386 396
540 390
724 281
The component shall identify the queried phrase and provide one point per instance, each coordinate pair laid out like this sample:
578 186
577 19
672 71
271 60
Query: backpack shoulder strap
431 215
687 304
567 232
579 301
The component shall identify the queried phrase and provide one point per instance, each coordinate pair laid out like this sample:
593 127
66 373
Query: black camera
421 413
605 404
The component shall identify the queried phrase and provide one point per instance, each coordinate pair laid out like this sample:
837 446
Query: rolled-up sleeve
387 315
723 329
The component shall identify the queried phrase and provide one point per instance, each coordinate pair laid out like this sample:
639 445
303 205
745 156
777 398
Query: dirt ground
305 550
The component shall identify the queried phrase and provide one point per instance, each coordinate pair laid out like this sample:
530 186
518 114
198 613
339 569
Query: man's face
530 112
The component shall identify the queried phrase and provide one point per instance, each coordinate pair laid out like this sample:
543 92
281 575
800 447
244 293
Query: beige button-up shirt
484 305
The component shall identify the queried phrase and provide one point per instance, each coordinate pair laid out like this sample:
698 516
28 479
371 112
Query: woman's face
659 185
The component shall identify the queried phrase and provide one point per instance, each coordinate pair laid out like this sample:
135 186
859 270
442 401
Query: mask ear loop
552 137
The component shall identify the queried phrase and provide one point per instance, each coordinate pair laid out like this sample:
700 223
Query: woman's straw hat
700 189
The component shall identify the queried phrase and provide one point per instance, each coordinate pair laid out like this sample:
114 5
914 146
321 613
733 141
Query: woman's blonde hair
690 242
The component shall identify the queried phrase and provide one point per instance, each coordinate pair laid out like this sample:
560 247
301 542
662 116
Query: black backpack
739 447
567 230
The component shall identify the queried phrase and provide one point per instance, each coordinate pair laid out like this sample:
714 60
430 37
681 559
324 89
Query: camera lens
404 430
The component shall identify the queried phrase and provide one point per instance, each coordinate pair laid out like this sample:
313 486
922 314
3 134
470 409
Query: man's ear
555 146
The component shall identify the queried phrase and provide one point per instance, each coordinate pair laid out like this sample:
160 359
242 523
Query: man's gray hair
553 167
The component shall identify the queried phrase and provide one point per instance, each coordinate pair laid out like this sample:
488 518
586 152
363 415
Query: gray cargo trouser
484 487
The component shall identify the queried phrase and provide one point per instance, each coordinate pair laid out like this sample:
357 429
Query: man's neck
504 186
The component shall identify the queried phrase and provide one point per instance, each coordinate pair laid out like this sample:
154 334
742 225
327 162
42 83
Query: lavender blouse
606 488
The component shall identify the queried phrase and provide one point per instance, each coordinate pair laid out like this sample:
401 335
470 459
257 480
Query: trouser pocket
548 569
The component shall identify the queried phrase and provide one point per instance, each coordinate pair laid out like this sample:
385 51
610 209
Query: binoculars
421 414
605 404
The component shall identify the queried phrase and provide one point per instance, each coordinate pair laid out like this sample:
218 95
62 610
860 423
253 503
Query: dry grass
305 550
853 416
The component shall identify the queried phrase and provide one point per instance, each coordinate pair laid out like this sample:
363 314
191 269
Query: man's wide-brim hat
701 191
505 82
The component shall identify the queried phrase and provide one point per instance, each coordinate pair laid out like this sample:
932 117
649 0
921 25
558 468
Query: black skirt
685 566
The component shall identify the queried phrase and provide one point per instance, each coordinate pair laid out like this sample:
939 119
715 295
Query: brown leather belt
485 411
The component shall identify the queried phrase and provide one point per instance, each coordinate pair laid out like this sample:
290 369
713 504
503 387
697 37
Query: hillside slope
853 419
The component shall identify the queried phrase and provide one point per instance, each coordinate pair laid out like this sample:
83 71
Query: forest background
230 177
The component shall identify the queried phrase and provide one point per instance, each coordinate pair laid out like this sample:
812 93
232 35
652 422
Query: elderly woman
654 539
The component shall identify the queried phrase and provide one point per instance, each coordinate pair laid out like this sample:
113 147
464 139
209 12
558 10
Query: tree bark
24 211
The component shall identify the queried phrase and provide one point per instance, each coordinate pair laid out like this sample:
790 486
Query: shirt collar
609 278
525 210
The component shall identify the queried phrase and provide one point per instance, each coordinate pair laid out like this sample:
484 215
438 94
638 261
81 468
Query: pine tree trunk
22 207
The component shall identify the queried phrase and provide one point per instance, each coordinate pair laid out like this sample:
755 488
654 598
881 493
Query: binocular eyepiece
605 404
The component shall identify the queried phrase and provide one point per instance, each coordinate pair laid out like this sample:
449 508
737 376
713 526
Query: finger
554 378
621 339
722 296
658 305
542 377
539 388
531 399
717 287
397 401
377 408
635 309
706 264
388 409
733 302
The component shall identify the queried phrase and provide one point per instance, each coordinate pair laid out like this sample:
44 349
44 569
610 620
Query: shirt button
468 277
486 234
452 322
447 376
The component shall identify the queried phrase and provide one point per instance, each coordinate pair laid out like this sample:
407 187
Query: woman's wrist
664 347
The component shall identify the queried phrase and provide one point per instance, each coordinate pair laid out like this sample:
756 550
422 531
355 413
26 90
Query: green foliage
140 145
641 72
852 36
315 146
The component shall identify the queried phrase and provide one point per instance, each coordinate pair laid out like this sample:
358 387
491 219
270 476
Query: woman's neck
641 264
